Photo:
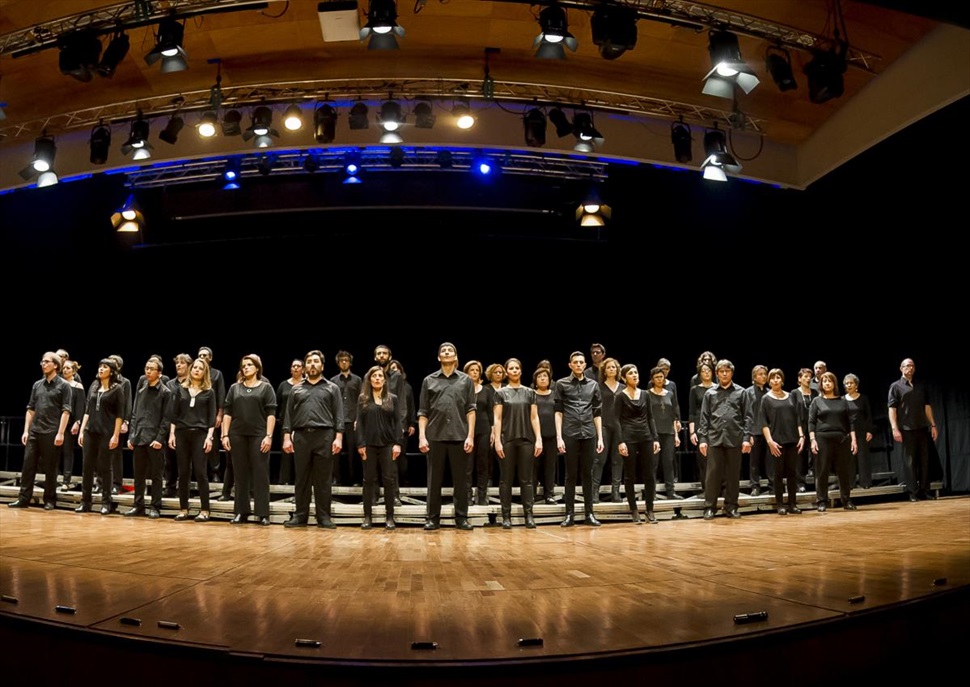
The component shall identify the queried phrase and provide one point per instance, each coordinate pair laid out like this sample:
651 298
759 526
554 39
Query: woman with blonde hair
193 424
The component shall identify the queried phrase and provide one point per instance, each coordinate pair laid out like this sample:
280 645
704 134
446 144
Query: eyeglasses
46 361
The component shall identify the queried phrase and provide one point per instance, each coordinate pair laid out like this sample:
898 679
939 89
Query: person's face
611 370
498 374
197 372
47 365
343 363
248 368
104 371
542 381
725 375
577 364
760 377
709 359
804 378
658 380
514 371
395 368
67 370
775 382
296 368
597 354
907 368
706 374
313 366
666 369
151 373
632 377
447 354
181 368
382 355
475 372
819 368
850 385
377 380
827 385
205 355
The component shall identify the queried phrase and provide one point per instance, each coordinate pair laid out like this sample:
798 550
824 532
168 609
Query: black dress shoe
592 521
464 525
153 514
239 519
530 522
83 508
294 522
850 506
182 517
782 510
19 503
105 510
430 526
675 496
49 506
635 517
794 510
366 523
224 497
506 524
569 521
821 508
326 523
733 513
929 496
708 513
651 518
202 517
133 512
263 522
389 524
551 500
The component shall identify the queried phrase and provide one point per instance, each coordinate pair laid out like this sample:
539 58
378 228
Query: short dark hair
343 354
575 353
311 353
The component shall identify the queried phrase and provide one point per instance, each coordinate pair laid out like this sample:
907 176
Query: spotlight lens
137 144
726 70
229 175
48 178
261 130
141 154
592 208
390 126
382 29
207 130
170 52
466 122
352 168
293 123
41 165
484 168
128 214
552 38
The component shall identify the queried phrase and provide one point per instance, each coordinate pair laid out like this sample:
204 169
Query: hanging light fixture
391 118
382 27
463 115
43 159
727 68
128 218
593 212
324 124
170 133
423 115
614 30
79 55
680 137
778 64
359 116
168 47
825 74
587 137
554 34
113 55
232 123
100 144
207 125
719 161
137 144
261 127
534 122
293 118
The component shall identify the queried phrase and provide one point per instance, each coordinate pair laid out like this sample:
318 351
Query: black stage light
614 30
719 161
265 164
170 133
396 157
137 144
423 116
43 159
778 64
293 118
113 55
79 55
325 124
825 74
390 116
382 27
128 218
100 144
680 137
231 173
727 68
535 128
554 34
207 125
559 120
310 163
587 137
445 159
232 123
358 116
168 47
261 127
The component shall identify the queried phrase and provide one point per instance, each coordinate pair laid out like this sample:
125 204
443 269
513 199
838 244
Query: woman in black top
805 393
517 437
480 462
666 416
705 380
547 461
282 392
68 449
248 421
609 381
380 416
863 427
831 427
99 433
780 420
410 425
193 423
638 444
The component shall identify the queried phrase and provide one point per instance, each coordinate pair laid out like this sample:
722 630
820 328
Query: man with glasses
48 412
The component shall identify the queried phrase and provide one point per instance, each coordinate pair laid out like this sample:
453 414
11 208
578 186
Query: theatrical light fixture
128 218
113 55
396 157
100 144
463 115
170 133
778 64
168 47
485 167
310 163
324 124
587 137
261 127
680 137
358 116
423 116
43 160
825 74
231 173
137 144
48 178
719 161
265 164
445 159
554 34
390 118
593 212
559 120
727 68
232 123
614 30
79 55
534 122
352 168
293 118
207 125
382 27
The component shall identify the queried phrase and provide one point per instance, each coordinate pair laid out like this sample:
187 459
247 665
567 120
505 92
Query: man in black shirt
911 418
313 432
724 433
48 412
150 424
349 384
446 430
579 433
117 461
215 456
183 361
758 462
597 354
819 368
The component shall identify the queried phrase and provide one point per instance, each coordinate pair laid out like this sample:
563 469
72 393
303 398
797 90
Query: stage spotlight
825 74
554 34
232 123
778 64
100 144
593 212
137 144
587 137
719 161
325 124
261 127
43 159
168 47
423 116
358 116
534 122
382 27
231 173
680 137
445 159
310 164
128 218
293 118
390 116
352 168
170 133
396 157
48 178
207 125
485 167
727 68
79 55
559 120
265 164
463 115
113 55
614 30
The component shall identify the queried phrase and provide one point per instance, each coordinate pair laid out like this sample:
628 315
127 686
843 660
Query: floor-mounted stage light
423 116
587 137
358 118
825 74
324 124
534 122
232 123
137 144
593 212
778 64
293 118
261 128
719 161
168 47
382 27
43 159
462 113
231 173
614 30
554 34
113 55
352 168
170 134
680 137
79 55
128 218
727 68
100 144
207 125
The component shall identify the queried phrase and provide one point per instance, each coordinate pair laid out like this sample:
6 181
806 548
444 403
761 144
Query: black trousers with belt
454 453
723 467
313 460
579 459
40 451
148 462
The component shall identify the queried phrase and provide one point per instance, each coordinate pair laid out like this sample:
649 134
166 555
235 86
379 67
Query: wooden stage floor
616 590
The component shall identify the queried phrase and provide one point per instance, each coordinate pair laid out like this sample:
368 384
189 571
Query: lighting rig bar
371 159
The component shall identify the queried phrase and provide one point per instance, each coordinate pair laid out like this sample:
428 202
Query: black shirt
198 412
830 415
634 418
103 408
910 402
49 401
724 420
664 410
484 400
151 415
782 416
579 401
516 405
350 392
445 401
314 406
547 414
249 406
379 425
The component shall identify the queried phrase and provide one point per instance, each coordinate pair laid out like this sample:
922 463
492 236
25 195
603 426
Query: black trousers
834 450
723 467
97 456
479 470
347 466
785 470
545 464
916 460
579 458
286 468
118 465
251 469
313 459
668 452
40 452
454 453
68 451
148 462
379 456
190 451
171 468
761 463
641 460
519 461
610 455
863 461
